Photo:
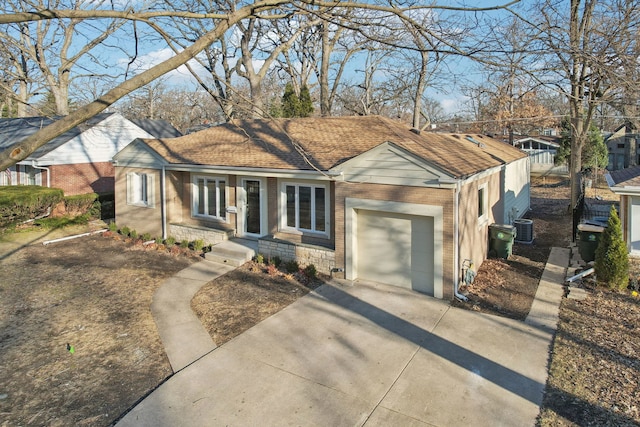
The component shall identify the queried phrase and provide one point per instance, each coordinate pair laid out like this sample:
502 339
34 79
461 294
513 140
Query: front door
252 208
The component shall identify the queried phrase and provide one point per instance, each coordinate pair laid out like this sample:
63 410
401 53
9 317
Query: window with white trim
483 204
210 197
305 207
140 189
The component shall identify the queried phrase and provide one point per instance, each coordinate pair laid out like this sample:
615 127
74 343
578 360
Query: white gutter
163 203
261 172
456 246
33 164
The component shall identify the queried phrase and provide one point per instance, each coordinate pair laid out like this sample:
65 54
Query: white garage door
395 249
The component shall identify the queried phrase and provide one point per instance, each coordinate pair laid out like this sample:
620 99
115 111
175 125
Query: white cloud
180 75
450 105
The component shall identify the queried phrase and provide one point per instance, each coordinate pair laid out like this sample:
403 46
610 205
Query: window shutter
151 190
130 188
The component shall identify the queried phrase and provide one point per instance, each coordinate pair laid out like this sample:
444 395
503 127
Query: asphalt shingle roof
13 130
629 177
323 143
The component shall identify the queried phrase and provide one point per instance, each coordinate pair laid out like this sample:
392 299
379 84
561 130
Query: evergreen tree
594 153
612 261
290 102
295 105
306 105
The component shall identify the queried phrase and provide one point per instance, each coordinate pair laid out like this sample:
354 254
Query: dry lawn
93 293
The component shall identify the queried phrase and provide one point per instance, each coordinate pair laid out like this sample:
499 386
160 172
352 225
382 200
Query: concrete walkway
367 354
184 338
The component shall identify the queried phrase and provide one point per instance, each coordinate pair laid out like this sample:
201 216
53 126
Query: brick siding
83 178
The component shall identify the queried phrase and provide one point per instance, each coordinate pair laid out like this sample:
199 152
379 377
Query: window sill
141 205
209 218
298 232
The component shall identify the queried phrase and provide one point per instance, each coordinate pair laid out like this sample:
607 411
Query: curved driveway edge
367 354
184 338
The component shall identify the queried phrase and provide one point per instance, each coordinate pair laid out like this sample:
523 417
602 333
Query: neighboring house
623 146
361 197
542 151
78 161
626 184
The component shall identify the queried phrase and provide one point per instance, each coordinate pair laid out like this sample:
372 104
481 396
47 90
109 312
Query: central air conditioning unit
524 230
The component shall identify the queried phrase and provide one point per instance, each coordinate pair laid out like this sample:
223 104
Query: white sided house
363 198
542 151
78 161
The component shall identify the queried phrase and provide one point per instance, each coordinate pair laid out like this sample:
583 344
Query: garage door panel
396 249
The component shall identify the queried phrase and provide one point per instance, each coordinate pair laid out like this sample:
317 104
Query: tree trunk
325 105
421 86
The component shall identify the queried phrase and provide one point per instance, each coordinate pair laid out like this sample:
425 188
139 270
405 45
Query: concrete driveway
362 354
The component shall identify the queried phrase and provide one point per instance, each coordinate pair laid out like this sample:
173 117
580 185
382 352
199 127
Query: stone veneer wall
322 258
190 232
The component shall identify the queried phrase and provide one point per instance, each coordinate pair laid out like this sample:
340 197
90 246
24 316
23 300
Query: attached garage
394 243
396 249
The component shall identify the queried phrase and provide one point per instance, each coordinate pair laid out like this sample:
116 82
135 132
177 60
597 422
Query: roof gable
16 129
389 164
138 154
106 133
325 143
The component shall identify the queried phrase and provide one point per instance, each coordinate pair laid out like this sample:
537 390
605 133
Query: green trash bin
501 239
588 239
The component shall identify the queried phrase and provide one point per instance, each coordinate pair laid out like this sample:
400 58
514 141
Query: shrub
170 241
198 245
310 271
277 261
133 234
292 266
158 240
259 258
125 231
184 243
24 202
612 260
113 227
146 237
82 204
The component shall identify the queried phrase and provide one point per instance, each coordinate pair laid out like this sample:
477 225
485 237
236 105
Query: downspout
163 203
33 164
456 246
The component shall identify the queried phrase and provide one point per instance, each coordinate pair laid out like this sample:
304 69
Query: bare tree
584 36
55 47
243 14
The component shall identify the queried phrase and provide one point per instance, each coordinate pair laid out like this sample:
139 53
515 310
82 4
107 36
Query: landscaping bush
292 266
146 237
125 231
612 261
170 241
82 204
23 202
113 227
198 245
310 271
